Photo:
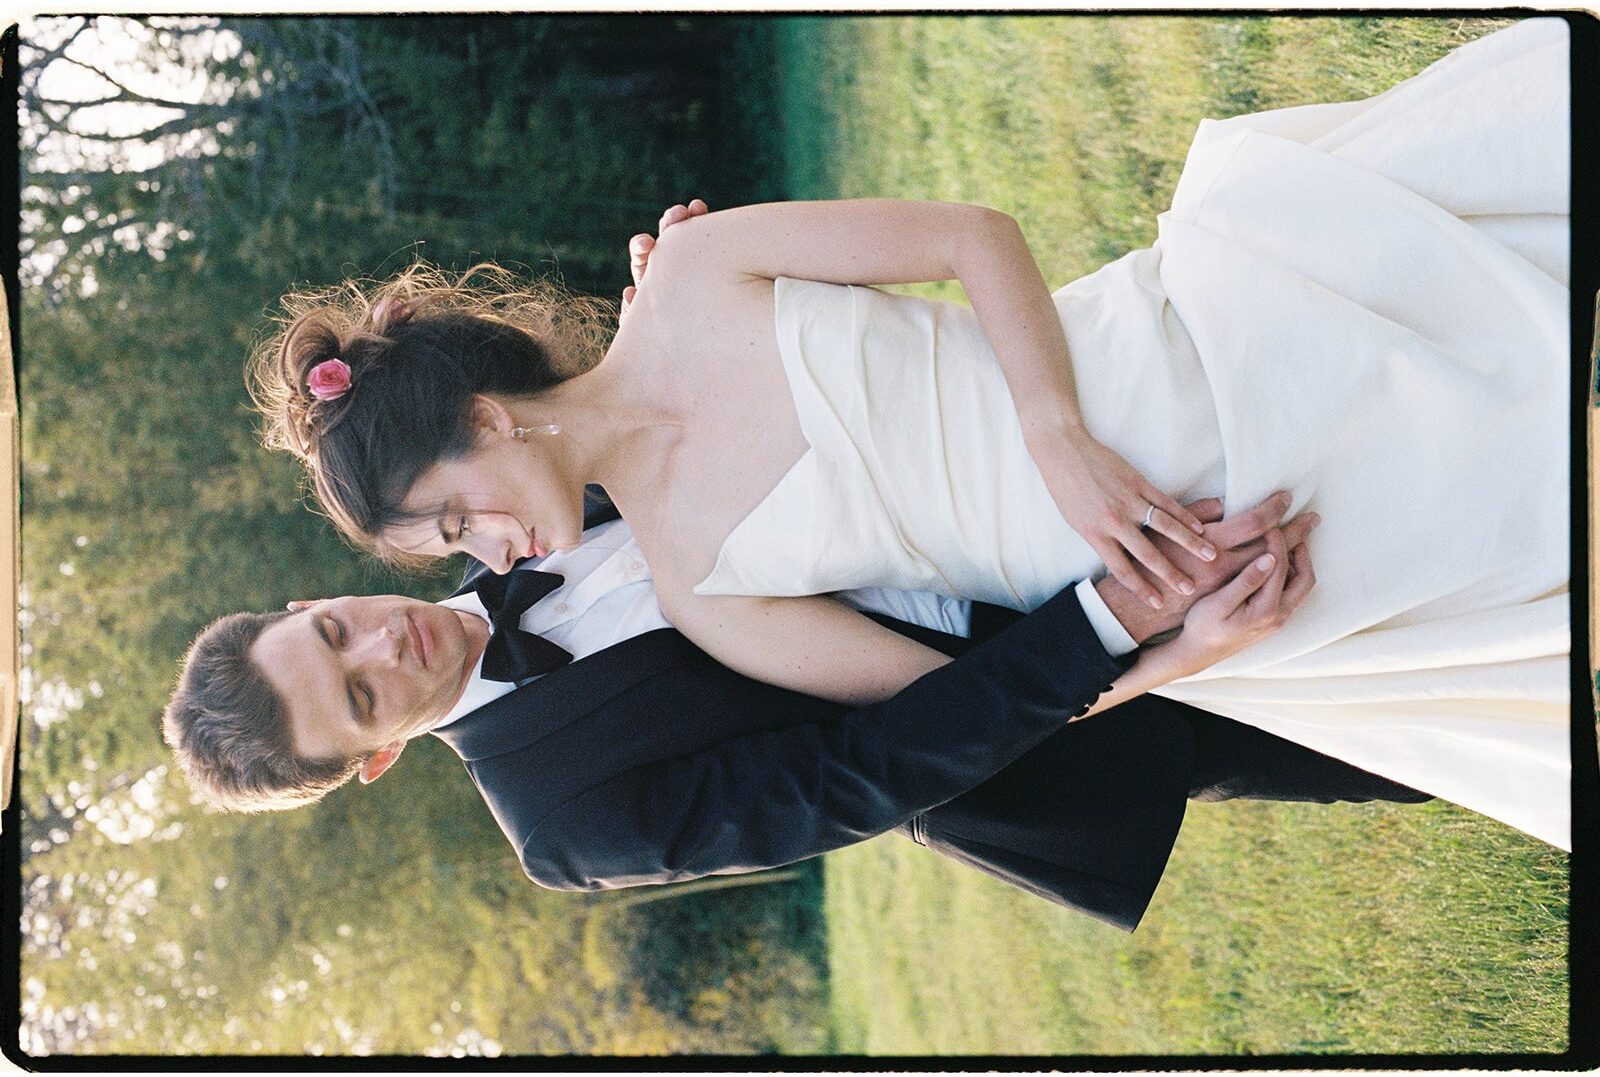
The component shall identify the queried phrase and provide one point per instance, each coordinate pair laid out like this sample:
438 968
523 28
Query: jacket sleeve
773 797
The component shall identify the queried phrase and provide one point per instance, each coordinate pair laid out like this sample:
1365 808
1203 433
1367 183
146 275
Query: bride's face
506 500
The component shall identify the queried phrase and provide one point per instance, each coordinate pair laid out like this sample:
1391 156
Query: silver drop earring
522 432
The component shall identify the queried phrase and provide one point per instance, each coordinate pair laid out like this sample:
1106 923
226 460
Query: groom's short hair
230 730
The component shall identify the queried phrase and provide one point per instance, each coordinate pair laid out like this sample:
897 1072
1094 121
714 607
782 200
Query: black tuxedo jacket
649 762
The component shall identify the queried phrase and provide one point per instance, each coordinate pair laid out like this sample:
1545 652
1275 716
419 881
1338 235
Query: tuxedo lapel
536 710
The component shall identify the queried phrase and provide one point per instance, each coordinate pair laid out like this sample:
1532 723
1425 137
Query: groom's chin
460 640
468 632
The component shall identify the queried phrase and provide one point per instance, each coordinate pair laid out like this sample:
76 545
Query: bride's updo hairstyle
370 383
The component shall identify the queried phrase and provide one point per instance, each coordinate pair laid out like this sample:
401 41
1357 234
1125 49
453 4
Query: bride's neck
615 417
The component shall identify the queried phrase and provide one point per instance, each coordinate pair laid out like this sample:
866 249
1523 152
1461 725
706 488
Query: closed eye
334 636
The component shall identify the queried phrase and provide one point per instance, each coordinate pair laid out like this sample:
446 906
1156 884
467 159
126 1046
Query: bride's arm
817 646
813 645
882 241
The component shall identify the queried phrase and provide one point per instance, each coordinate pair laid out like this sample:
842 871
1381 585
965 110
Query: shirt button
635 567
562 607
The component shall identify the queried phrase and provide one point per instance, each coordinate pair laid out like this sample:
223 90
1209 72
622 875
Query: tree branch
55 180
49 121
176 126
132 95
35 99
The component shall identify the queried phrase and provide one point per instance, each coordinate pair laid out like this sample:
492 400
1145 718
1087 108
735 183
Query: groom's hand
640 246
1239 540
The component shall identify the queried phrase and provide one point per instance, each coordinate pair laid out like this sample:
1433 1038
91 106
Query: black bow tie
514 655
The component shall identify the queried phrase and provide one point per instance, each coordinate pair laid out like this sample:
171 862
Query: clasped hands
1239 596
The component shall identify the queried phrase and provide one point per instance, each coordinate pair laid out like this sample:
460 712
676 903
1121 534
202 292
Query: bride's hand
640 246
1249 607
1253 606
1107 501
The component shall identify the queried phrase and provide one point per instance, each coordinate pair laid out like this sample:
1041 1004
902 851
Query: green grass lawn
1279 928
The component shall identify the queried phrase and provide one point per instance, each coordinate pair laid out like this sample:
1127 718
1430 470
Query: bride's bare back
701 334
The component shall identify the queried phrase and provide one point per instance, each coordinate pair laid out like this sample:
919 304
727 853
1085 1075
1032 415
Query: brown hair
418 346
230 730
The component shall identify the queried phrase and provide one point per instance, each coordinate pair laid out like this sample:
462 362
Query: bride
1363 304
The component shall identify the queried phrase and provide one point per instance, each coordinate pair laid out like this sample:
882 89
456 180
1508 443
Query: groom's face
356 674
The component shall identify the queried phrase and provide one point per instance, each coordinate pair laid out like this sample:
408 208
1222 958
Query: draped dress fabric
1364 303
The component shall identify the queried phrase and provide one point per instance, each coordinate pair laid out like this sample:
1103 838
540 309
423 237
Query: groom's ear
380 761
302 604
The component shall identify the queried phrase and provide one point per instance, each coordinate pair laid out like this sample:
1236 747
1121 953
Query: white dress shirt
607 595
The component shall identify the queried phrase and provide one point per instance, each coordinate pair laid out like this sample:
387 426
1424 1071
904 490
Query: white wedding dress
1364 303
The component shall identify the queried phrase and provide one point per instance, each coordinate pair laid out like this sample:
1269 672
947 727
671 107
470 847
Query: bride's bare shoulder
695 297
701 249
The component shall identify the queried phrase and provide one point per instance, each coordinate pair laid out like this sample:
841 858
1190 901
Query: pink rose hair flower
329 379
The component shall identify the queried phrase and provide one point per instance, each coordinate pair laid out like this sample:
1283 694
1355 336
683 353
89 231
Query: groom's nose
379 645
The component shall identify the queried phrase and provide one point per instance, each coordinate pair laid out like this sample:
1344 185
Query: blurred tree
249 154
123 157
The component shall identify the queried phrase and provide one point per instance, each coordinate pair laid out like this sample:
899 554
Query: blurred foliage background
180 173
